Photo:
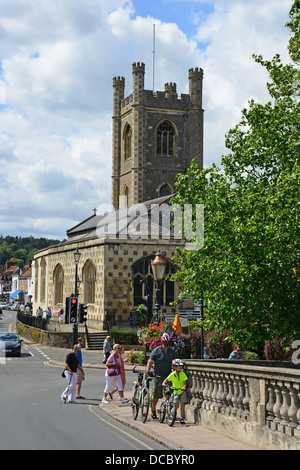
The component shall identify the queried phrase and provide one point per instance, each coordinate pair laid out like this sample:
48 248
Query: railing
29 320
254 401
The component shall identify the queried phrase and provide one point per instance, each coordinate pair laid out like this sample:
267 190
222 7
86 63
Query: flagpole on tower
153 64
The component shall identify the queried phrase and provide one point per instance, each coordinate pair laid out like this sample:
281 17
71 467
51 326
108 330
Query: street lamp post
201 320
158 267
77 256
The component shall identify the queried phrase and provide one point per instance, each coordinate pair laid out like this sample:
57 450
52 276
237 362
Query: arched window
127 142
142 275
58 280
89 279
165 190
165 139
126 194
36 279
43 280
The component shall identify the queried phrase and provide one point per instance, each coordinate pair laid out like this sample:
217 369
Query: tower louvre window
165 139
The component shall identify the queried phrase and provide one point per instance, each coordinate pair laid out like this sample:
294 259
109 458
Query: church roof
139 220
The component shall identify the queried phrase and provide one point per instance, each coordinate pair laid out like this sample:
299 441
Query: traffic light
82 313
67 311
147 309
72 310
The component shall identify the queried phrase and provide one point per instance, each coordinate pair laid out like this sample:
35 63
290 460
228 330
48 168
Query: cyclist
178 379
162 357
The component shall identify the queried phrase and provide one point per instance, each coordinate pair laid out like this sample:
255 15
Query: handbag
113 370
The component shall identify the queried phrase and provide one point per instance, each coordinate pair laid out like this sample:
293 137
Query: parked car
13 306
3 305
10 343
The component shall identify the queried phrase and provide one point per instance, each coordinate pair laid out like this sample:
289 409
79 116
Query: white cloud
235 31
57 64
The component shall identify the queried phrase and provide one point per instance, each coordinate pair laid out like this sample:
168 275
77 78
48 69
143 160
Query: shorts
79 377
111 381
156 387
180 398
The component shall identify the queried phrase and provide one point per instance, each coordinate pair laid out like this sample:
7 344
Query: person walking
122 373
106 349
27 309
71 366
113 375
162 357
39 312
61 315
237 353
48 315
79 378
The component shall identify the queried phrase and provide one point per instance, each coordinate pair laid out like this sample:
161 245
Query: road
33 417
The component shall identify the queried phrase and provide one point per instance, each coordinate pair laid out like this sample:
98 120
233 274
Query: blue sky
187 14
57 62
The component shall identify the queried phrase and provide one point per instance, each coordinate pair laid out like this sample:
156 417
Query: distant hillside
22 249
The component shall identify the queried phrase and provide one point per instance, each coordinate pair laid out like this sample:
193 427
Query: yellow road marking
107 422
120 430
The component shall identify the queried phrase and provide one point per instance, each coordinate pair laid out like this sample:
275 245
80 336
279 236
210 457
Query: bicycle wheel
135 402
171 413
145 404
162 412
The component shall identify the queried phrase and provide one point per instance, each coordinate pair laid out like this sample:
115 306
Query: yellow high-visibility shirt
177 381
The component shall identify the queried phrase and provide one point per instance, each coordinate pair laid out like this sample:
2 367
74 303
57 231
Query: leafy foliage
21 249
249 264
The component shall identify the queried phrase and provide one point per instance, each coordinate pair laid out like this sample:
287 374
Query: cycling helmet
165 339
177 362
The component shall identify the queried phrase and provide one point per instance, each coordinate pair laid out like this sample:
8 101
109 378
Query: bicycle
168 406
141 395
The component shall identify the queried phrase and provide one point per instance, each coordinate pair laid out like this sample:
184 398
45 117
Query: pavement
179 437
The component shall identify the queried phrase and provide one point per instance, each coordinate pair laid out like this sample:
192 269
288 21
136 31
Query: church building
155 137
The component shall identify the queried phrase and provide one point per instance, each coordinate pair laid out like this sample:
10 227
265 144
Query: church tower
155 137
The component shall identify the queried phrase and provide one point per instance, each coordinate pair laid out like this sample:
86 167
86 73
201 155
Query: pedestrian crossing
46 357
28 352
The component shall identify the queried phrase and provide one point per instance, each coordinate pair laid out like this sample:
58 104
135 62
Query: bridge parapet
256 402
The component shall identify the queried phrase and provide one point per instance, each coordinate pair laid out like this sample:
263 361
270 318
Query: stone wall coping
263 369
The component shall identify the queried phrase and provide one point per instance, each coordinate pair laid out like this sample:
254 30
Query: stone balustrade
256 402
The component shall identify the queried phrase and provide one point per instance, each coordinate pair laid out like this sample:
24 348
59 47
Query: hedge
124 337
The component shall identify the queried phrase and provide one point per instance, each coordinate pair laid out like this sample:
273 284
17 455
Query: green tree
249 263
5 253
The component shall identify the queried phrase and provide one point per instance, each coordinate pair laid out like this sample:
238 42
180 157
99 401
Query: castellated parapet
119 81
138 67
195 87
